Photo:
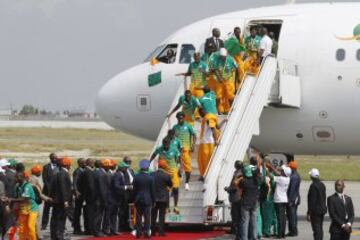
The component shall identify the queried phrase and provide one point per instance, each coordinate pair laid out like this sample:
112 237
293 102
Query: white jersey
208 135
266 45
282 185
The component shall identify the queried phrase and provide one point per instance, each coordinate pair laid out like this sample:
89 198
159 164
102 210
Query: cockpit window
155 52
168 54
187 51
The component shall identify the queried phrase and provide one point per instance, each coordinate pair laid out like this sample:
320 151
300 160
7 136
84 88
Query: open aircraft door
289 84
227 25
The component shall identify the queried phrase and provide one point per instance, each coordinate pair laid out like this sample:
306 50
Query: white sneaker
187 187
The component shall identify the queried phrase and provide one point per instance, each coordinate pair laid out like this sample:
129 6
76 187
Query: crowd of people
264 201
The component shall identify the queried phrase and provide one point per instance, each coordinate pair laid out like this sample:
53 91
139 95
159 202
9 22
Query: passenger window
358 54
168 54
187 51
340 54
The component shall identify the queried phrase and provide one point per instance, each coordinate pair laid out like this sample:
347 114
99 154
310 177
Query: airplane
313 110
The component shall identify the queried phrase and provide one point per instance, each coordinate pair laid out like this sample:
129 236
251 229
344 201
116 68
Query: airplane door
227 26
289 84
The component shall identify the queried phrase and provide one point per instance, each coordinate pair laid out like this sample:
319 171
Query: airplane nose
109 98
116 101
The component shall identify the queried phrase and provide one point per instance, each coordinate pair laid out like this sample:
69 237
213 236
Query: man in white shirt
282 180
265 44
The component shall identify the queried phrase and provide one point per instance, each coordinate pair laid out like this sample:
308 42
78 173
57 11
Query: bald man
341 211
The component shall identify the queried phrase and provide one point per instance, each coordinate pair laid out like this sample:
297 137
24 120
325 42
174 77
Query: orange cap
163 164
65 161
26 175
106 163
293 165
113 163
36 169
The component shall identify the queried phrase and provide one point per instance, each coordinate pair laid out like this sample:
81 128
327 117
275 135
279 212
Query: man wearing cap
87 184
34 180
294 198
341 211
111 209
144 199
101 194
61 193
224 68
79 199
282 181
249 203
316 204
187 136
189 105
120 189
49 170
163 183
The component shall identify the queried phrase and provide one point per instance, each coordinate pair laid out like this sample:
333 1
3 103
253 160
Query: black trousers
123 215
340 236
317 226
143 211
235 217
98 217
89 213
77 213
291 212
109 224
281 217
114 209
57 223
45 215
159 209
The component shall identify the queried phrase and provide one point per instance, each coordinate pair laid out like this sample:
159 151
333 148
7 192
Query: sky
56 54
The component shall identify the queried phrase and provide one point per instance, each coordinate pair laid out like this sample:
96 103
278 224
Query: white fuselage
330 89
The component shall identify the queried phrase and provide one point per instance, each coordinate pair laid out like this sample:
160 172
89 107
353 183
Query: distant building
5 114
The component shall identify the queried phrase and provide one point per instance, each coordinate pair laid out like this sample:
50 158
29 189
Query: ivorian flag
233 46
154 79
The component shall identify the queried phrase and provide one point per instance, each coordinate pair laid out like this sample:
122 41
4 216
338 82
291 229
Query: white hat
4 162
223 52
286 170
314 173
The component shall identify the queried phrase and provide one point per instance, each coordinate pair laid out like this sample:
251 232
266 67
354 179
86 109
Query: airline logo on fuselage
356 35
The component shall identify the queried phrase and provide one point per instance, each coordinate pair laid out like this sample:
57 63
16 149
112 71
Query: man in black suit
128 194
293 197
120 189
316 204
79 198
214 43
341 211
87 186
101 197
61 193
162 183
49 170
144 198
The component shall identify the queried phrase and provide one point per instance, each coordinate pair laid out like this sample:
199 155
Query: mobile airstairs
207 202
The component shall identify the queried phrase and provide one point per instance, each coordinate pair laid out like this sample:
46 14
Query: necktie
217 43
